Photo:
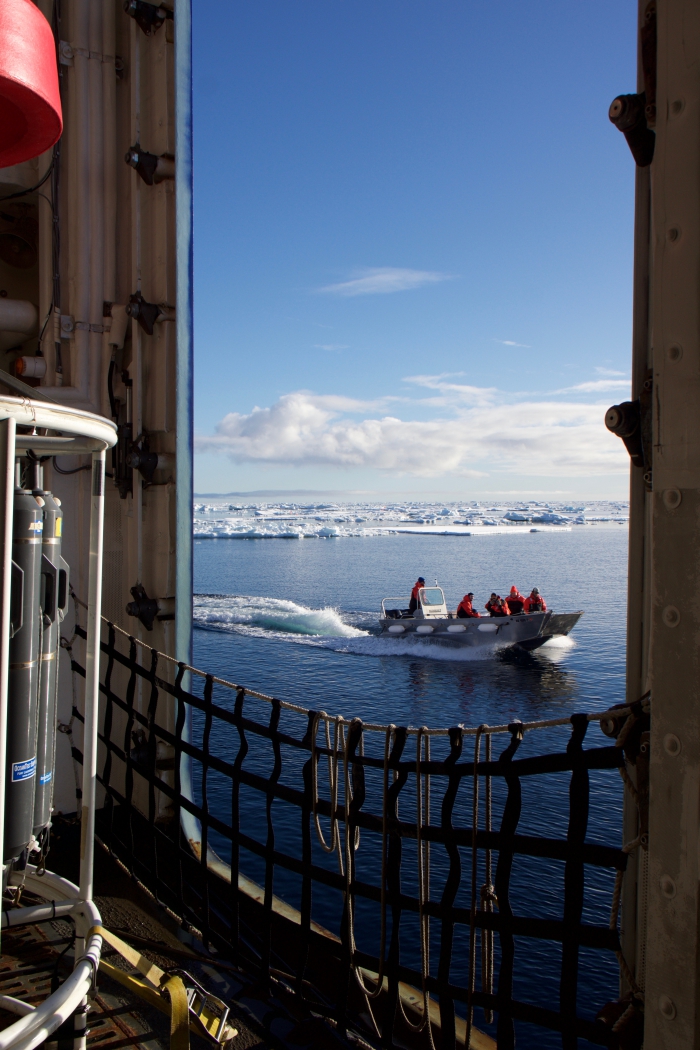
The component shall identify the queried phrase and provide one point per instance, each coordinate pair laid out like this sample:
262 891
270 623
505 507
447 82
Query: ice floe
221 519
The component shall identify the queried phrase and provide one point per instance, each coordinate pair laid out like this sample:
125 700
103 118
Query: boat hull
528 631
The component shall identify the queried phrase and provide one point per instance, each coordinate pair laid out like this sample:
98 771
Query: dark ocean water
296 618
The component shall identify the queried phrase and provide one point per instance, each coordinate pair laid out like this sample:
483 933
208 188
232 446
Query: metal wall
664 587
104 235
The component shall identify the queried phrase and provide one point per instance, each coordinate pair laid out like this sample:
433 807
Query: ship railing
390 879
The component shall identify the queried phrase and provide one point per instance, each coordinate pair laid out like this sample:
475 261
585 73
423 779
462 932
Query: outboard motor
53 602
23 672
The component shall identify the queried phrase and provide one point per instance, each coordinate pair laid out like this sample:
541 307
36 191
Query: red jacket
416 587
516 595
499 607
465 608
535 603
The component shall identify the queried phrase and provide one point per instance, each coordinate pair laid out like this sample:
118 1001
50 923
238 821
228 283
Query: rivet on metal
671 616
672 745
677 106
667 1007
668 886
672 498
675 352
673 233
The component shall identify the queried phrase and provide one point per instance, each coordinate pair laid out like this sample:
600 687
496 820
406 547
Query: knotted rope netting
386 876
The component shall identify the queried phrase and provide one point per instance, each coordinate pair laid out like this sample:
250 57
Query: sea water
298 619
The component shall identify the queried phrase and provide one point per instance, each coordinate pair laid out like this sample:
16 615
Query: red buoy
30 104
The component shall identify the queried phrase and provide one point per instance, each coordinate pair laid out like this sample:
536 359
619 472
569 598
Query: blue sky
413 246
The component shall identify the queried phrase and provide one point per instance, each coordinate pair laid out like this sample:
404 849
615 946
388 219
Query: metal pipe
15 1006
109 121
92 676
34 1028
96 205
45 216
37 913
79 224
7 467
18 315
78 150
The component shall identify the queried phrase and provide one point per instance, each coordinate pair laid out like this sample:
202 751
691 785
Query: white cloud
597 386
509 342
383 280
452 393
608 371
473 439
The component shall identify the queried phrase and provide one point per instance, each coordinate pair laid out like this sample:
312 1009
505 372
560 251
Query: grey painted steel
529 631
54 592
20 775
669 899
184 378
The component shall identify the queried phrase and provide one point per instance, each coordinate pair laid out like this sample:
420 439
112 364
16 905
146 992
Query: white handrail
88 433
44 414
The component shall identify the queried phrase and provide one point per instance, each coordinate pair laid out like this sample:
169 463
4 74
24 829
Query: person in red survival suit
413 604
516 600
465 608
535 602
501 607
491 603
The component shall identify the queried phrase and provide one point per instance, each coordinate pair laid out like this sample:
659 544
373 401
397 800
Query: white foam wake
263 615
371 645
321 628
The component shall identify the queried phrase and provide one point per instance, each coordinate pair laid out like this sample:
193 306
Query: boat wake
326 628
264 616
561 641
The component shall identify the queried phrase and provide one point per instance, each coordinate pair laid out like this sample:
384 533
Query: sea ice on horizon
328 520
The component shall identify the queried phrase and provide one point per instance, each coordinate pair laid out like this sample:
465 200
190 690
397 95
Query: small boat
432 622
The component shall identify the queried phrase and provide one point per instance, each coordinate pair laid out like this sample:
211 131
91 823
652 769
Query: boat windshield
432 596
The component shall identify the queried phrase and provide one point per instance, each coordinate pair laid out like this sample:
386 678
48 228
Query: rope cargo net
407 884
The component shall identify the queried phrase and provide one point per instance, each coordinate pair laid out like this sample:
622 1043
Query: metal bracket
142 459
149 17
632 422
149 166
143 608
145 313
635 115
199 1000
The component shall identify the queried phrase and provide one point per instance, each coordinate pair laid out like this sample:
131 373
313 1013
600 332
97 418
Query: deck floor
32 958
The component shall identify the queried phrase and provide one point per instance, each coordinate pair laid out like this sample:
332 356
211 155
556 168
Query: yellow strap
179 1014
177 1011
206 1024
150 971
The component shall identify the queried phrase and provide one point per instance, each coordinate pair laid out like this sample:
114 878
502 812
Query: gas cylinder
25 629
53 602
